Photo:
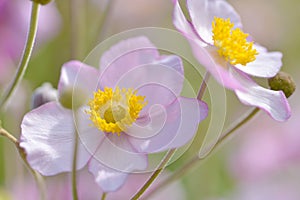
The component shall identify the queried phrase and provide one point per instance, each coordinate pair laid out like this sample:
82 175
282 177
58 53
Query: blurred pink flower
266 147
59 187
219 44
283 185
136 109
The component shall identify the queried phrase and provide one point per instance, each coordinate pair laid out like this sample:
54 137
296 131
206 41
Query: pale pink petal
182 24
273 102
78 77
215 64
160 82
117 152
202 13
107 178
180 124
125 56
48 137
89 136
267 64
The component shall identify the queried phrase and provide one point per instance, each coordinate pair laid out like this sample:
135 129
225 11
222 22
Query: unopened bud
42 2
42 95
71 99
284 82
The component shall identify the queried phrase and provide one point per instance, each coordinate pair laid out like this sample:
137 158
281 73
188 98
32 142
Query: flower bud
42 95
42 2
71 99
282 81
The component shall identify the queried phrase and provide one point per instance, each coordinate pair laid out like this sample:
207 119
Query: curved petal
180 125
215 64
267 64
108 179
116 152
79 78
160 82
182 24
48 137
273 102
123 57
203 12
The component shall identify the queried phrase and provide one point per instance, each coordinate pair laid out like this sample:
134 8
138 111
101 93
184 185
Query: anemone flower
129 108
219 44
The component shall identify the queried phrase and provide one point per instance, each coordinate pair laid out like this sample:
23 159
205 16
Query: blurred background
261 162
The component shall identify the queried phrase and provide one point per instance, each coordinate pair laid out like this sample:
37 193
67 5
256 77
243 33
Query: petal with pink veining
273 102
125 56
48 137
180 124
202 13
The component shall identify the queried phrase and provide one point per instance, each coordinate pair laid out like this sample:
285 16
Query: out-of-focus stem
74 168
26 54
155 174
104 196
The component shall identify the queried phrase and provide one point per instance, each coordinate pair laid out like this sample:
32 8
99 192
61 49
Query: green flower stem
101 24
104 196
195 161
171 152
74 169
203 86
155 174
78 28
38 178
26 54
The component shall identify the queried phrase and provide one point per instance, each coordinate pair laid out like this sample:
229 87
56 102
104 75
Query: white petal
273 102
266 64
202 13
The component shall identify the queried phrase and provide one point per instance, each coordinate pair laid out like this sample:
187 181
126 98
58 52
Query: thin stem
99 32
193 162
203 86
155 174
104 196
38 178
77 28
74 168
6 134
26 54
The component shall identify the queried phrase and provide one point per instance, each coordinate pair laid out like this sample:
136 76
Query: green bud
284 82
42 2
71 100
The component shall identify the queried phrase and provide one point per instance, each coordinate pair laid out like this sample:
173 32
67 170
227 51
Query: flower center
232 44
114 111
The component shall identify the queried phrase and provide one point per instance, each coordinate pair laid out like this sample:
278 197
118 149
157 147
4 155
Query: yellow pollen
114 111
232 44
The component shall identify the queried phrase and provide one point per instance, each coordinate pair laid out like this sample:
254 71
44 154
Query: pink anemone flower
219 44
129 108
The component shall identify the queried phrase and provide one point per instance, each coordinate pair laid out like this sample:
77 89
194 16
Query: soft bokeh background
261 162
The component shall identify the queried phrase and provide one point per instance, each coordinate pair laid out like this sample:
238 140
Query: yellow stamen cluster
232 44
113 111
